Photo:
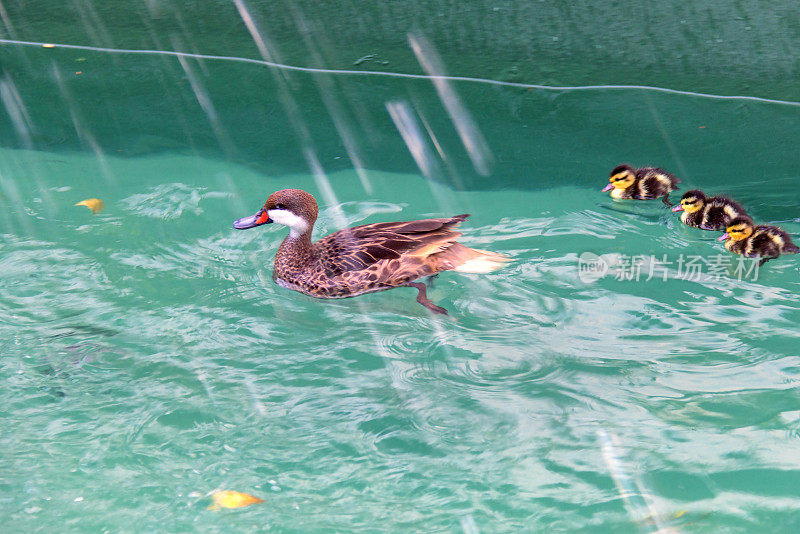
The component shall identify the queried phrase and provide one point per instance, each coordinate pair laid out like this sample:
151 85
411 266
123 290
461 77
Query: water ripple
150 359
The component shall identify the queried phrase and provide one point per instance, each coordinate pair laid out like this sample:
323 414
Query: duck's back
375 257
771 240
718 212
652 182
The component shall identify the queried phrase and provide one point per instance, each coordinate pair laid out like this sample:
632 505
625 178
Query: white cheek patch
297 225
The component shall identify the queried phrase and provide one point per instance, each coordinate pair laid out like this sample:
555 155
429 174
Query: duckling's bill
262 217
609 187
724 237
679 207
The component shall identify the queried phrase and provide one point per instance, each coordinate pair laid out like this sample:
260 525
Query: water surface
148 359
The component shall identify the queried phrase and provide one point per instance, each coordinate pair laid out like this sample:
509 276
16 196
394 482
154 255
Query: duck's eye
280 207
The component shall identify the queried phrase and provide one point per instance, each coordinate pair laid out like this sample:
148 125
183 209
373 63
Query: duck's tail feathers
471 260
790 248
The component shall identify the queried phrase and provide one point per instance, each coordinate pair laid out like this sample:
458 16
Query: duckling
708 213
767 242
366 258
646 183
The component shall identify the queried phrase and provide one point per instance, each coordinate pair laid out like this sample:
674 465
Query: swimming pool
148 358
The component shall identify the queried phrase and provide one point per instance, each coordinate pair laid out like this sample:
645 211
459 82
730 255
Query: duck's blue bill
251 222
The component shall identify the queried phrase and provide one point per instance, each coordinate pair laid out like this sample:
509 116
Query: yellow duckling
767 242
708 213
646 183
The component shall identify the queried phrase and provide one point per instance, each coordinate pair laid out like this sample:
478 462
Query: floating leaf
94 204
232 499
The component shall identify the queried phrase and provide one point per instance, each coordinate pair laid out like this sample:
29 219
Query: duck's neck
295 251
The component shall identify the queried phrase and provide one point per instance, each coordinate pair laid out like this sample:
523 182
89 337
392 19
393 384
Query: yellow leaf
94 204
679 514
232 499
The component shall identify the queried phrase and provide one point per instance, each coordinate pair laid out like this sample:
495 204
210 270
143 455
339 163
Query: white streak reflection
206 104
7 21
16 110
336 111
409 129
639 504
84 134
412 133
468 131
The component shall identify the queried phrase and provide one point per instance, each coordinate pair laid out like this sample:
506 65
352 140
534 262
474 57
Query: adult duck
366 258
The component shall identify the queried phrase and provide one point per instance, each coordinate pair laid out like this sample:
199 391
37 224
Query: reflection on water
149 359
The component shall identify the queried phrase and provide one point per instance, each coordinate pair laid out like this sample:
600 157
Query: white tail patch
482 261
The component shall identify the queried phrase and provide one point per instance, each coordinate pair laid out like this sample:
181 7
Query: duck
742 236
367 258
646 183
708 213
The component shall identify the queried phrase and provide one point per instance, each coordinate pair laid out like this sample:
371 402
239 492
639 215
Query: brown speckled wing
373 246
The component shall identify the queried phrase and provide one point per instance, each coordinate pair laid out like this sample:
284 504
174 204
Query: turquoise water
148 359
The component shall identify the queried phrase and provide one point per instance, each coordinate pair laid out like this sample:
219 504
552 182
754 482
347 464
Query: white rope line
403 75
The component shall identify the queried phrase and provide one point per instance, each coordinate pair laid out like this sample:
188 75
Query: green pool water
148 359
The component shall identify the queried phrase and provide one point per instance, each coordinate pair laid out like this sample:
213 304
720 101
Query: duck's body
646 183
708 213
367 258
767 242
